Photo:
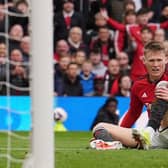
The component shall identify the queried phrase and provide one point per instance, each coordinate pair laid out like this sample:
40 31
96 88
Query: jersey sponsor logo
144 95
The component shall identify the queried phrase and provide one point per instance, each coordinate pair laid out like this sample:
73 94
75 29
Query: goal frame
42 140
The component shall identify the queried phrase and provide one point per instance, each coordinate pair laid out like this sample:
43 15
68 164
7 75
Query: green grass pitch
71 149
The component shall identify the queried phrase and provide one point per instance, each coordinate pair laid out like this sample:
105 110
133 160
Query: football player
143 93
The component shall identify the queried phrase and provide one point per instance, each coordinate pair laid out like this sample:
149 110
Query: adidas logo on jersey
144 95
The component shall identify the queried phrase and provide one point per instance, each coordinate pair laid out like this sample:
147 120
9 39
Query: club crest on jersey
144 95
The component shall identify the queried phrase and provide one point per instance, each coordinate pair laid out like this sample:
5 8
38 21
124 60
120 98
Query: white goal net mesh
14 81
25 85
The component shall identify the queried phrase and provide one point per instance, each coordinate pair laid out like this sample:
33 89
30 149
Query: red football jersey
142 93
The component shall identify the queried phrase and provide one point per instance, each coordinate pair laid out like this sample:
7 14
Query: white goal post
42 146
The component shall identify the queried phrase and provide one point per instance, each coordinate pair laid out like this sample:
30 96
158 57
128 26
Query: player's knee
98 126
101 132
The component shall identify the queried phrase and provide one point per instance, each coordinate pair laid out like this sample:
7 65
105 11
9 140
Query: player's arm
112 22
134 111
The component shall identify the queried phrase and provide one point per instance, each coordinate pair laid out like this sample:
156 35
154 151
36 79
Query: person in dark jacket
107 113
155 7
72 85
60 69
105 43
95 7
66 19
19 74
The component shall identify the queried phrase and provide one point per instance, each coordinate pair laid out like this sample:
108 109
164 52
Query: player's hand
162 93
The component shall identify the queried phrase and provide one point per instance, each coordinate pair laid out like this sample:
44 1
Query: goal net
26 84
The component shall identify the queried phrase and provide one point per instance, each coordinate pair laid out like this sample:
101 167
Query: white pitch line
57 149
12 159
15 149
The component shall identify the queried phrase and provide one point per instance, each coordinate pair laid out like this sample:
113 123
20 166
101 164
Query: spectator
111 77
164 17
60 69
16 56
124 82
87 79
138 69
123 60
72 85
80 58
18 74
95 7
8 3
117 9
159 35
22 6
99 20
130 17
99 68
134 30
154 7
2 19
165 43
92 33
57 5
129 5
164 13
82 6
107 113
66 19
61 49
12 19
3 67
123 41
105 43
75 40
25 48
99 86
15 34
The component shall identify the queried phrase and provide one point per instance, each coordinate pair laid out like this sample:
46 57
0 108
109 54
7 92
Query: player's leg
160 139
145 136
158 110
114 132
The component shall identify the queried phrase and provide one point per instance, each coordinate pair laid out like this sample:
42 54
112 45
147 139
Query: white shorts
160 139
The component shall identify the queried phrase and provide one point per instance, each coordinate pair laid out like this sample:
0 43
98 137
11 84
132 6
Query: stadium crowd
98 44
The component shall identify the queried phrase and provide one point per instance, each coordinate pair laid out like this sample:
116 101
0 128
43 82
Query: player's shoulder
140 83
165 76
